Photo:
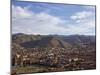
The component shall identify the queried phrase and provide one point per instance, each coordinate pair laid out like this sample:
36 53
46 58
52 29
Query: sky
52 18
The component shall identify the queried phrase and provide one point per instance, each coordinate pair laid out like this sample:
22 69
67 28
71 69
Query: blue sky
51 18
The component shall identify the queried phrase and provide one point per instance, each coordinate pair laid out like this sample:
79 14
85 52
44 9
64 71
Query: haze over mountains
52 41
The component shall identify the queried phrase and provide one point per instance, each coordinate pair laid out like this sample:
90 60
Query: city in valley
52 53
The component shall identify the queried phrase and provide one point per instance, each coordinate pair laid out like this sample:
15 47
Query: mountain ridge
49 41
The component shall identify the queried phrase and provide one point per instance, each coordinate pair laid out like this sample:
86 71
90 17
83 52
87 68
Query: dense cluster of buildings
57 57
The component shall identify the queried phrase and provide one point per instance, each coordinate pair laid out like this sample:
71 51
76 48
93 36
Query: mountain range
52 41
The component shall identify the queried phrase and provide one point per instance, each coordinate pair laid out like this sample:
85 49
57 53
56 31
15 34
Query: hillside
49 41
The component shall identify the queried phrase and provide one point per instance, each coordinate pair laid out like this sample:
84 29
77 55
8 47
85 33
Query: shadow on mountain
46 42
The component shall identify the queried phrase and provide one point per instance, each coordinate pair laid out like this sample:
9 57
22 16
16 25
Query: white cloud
81 15
85 22
25 20
18 11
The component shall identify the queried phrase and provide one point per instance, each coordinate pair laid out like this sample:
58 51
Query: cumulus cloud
85 20
81 15
25 20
